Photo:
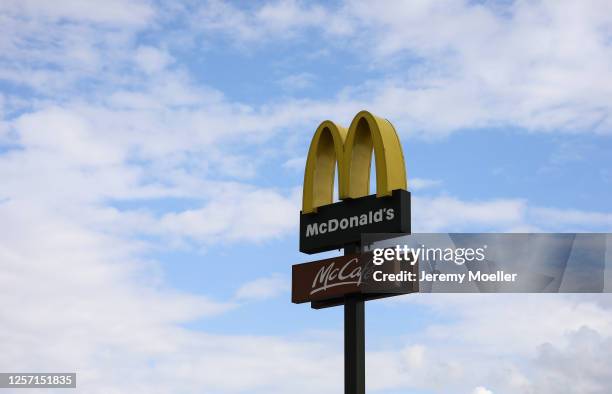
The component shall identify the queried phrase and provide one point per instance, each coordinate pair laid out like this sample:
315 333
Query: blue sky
152 154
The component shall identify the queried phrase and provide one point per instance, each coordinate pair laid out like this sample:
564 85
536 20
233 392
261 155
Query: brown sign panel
355 274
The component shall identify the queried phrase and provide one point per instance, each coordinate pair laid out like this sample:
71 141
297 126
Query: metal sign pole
354 339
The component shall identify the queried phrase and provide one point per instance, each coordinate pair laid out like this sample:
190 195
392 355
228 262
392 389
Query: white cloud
74 297
481 390
68 136
297 81
481 63
563 219
295 163
111 12
493 64
422 183
52 47
446 213
3 123
439 213
469 346
534 65
152 59
576 366
263 288
280 19
249 215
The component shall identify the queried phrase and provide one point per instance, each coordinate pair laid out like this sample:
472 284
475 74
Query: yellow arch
326 148
352 151
368 132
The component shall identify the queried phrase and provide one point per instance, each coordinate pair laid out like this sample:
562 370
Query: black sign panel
335 225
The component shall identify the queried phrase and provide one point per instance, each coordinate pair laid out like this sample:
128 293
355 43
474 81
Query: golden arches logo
352 150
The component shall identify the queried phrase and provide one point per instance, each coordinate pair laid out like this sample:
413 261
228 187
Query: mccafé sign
325 225
331 279
326 279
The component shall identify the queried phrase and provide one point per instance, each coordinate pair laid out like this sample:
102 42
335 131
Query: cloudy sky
151 162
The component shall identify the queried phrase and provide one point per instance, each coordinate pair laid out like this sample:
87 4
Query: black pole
354 340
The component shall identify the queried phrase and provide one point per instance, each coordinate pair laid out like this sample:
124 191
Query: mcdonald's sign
325 225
